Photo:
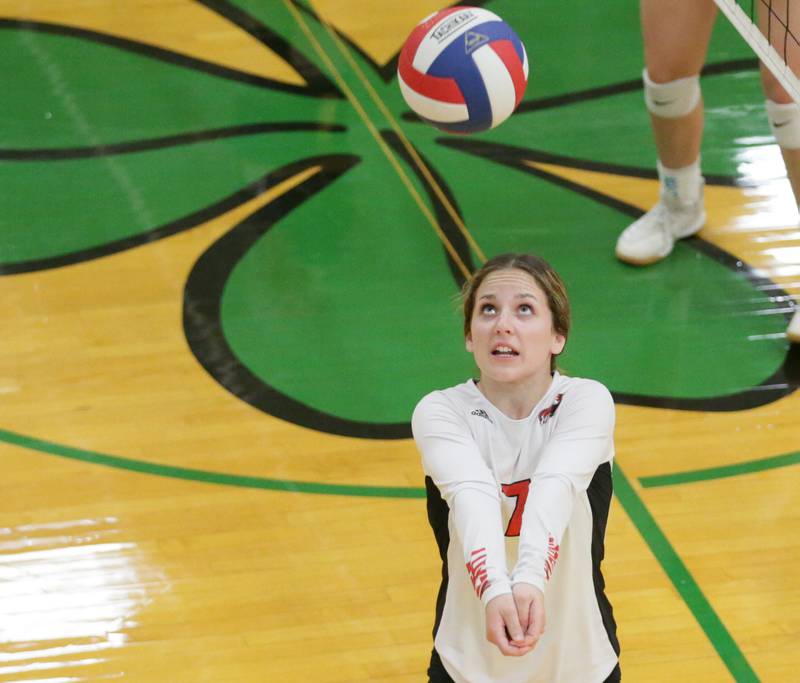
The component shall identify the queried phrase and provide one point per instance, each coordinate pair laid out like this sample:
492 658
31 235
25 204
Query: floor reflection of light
762 175
766 337
30 667
758 159
68 594
789 255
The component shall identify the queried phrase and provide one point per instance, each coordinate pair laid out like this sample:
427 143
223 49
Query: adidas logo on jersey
547 413
479 412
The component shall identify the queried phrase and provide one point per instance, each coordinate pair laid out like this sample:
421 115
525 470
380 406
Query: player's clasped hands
515 622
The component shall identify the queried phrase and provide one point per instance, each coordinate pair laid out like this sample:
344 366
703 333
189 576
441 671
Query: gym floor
229 257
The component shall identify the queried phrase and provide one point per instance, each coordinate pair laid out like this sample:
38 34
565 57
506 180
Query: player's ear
557 346
468 342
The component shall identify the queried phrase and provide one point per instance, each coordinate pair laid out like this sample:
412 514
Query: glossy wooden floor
156 528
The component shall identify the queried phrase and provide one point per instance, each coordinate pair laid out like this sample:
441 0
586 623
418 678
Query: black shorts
438 674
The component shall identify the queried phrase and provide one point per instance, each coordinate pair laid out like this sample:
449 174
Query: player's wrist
538 582
495 590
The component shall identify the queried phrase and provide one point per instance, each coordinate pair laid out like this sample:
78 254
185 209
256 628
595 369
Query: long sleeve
582 440
451 458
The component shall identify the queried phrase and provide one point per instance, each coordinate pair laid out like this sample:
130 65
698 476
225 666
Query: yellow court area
159 524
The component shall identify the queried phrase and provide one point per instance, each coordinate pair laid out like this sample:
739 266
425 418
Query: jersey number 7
518 490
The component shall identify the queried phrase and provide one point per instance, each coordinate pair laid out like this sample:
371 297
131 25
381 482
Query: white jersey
521 501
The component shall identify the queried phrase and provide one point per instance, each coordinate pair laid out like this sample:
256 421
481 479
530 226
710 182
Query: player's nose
503 322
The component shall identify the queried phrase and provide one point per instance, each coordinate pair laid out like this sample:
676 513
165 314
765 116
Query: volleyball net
772 29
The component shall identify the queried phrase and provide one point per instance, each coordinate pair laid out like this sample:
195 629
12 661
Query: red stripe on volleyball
505 50
439 89
434 87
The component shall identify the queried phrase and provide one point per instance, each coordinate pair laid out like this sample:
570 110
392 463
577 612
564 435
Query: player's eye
526 309
487 309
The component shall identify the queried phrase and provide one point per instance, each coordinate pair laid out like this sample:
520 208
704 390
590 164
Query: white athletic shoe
651 237
793 331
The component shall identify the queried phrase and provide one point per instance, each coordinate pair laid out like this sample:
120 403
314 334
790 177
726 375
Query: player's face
511 331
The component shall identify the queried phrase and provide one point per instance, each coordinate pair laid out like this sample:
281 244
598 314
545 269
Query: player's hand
503 627
529 601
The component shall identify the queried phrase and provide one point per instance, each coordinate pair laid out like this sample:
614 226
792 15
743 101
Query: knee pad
671 100
784 120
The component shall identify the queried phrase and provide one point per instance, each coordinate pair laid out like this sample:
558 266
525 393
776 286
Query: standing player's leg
774 20
783 112
784 119
676 35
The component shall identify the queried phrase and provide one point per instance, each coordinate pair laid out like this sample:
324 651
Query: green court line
683 581
206 476
747 467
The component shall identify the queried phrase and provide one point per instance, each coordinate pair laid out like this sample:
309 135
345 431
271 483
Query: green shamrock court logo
332 306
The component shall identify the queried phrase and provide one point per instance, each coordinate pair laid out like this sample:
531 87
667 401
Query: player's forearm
479 527
546 517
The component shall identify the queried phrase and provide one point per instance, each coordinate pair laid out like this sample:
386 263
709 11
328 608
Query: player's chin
500 363
506 372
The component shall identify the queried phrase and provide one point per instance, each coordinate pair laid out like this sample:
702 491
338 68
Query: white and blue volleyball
463 70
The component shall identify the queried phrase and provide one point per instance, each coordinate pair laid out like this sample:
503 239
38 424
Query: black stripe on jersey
600 491
438 515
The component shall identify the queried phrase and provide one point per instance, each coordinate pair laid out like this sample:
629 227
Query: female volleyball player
676 35
518 477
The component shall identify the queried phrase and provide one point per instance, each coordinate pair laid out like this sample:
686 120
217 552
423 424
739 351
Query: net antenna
764 24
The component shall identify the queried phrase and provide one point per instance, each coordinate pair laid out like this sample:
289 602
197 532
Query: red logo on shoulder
547 413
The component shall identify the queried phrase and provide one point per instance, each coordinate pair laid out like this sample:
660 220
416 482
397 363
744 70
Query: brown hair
541 271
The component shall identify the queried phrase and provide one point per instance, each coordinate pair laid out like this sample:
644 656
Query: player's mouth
504 351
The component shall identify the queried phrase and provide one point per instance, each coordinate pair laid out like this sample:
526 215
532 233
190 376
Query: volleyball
463 70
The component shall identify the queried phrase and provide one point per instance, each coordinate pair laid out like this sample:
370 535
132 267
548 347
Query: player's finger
523 604
496 633
536 621
515 631
499 638
517 650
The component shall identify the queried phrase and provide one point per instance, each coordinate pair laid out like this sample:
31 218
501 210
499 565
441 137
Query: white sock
681 185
